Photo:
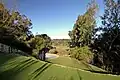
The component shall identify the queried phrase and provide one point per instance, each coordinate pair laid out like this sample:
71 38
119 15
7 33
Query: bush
35 53
82 53
53 51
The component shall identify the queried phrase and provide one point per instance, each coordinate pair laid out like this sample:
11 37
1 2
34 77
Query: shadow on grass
48 61
101 72
80 78
39 71
7 75
5 57
10 73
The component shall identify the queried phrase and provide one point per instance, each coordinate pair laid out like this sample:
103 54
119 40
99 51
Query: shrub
82 53
53 51
35 53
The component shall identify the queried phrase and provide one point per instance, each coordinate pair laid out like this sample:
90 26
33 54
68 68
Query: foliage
107 43
82 31
82 53
14 28
47 39
15 24
15 31
60 42
39 42
53 51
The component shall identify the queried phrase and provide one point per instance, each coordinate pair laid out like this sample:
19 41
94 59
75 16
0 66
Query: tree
39 42
47 39
36 43
15 24
82 31
14 28
107 43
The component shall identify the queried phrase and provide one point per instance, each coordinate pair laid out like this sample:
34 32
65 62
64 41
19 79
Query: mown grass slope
71 62
27 68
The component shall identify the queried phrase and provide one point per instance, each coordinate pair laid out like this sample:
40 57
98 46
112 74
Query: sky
54 17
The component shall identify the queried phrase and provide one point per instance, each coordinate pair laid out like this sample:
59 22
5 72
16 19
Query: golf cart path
51 56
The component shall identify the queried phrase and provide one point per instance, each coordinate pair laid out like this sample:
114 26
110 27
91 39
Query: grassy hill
15 67
71 62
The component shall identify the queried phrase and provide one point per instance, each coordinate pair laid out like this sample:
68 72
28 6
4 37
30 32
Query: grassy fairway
27 68
71 62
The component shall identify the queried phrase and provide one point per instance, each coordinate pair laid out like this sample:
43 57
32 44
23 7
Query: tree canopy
82 31
107 43
14 24
14 28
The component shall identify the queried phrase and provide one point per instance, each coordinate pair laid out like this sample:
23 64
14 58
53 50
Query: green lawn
71 62
28 68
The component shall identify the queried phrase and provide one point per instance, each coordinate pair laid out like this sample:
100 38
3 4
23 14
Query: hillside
72 62
15 67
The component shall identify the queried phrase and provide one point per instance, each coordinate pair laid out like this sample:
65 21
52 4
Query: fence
10 50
